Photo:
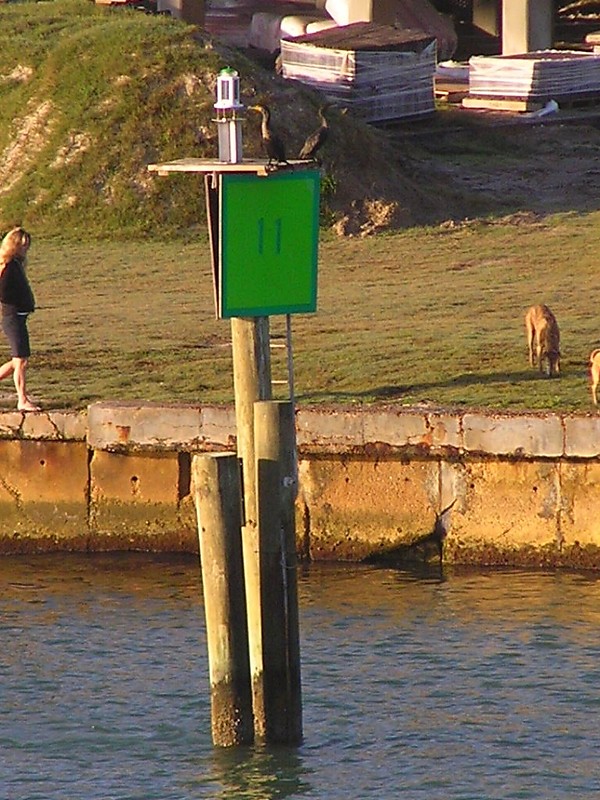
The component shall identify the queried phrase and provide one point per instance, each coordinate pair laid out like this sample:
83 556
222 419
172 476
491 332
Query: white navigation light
229 116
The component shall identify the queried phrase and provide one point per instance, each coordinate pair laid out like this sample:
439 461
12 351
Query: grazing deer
543 339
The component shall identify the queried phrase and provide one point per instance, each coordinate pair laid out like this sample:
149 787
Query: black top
15 290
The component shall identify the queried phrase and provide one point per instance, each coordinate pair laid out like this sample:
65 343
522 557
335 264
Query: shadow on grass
391 392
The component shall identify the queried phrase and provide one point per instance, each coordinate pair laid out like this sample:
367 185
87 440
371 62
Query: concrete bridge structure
520 25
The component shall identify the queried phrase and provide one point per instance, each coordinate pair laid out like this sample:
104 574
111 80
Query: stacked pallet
528 81
379 72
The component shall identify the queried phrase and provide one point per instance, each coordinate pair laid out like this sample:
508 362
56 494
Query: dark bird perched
316 139
271 142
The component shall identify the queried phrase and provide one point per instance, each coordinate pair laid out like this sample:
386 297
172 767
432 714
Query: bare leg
19 377
6 370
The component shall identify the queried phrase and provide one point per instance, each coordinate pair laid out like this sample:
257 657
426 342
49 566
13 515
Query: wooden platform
528 104
451 91
502 103
259 167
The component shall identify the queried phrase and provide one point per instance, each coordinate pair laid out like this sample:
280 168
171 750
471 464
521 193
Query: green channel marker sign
268 244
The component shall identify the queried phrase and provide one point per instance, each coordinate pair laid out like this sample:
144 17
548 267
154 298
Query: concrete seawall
380 484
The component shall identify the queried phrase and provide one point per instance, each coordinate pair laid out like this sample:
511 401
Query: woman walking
17 302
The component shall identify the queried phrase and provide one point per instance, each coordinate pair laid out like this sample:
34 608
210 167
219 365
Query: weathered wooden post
277 481
217 494
252 382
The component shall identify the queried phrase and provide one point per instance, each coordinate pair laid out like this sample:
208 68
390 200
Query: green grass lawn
420 316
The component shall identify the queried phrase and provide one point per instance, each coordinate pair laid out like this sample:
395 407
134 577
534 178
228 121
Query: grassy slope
428 315
107 81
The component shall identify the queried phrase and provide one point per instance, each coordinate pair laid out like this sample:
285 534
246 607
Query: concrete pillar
192 11
527 25
487 15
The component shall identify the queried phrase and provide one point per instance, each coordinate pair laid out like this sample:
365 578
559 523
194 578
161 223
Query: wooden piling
217 494
252 382
277 480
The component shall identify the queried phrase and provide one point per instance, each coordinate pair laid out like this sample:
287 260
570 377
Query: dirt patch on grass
502 166
27 140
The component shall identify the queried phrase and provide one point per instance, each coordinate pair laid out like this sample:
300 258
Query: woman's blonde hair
12 243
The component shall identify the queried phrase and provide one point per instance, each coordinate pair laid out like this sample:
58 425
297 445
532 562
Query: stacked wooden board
379 72
528 81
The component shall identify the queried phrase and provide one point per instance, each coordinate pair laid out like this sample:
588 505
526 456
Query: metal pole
290 357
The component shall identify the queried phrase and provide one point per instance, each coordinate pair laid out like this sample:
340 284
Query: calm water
475 685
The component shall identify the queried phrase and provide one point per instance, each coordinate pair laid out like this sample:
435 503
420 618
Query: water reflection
258 773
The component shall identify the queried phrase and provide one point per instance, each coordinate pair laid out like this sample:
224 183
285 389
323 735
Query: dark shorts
15 330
